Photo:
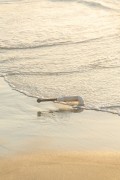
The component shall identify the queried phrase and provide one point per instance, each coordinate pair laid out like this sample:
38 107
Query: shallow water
52 48
22 129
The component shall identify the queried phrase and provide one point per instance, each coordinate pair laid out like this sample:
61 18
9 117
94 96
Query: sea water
54 48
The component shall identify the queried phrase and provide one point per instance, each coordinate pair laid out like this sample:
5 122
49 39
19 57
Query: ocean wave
90 4
57 73
78 70
48 45
10 1
94 4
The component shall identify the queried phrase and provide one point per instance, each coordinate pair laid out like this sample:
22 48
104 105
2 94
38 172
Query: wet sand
55 145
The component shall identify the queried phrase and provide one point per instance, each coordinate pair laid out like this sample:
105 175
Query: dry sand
61 166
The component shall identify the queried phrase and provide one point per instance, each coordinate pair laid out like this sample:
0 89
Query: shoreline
21 127
56 145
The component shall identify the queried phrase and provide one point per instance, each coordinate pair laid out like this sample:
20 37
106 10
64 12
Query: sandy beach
31 148
62 165
51 49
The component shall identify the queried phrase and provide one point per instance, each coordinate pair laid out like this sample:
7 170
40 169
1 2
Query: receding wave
113 109
94 4
47 73
48 45
87 3
10 1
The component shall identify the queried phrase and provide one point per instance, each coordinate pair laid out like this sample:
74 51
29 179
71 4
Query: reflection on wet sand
63 108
